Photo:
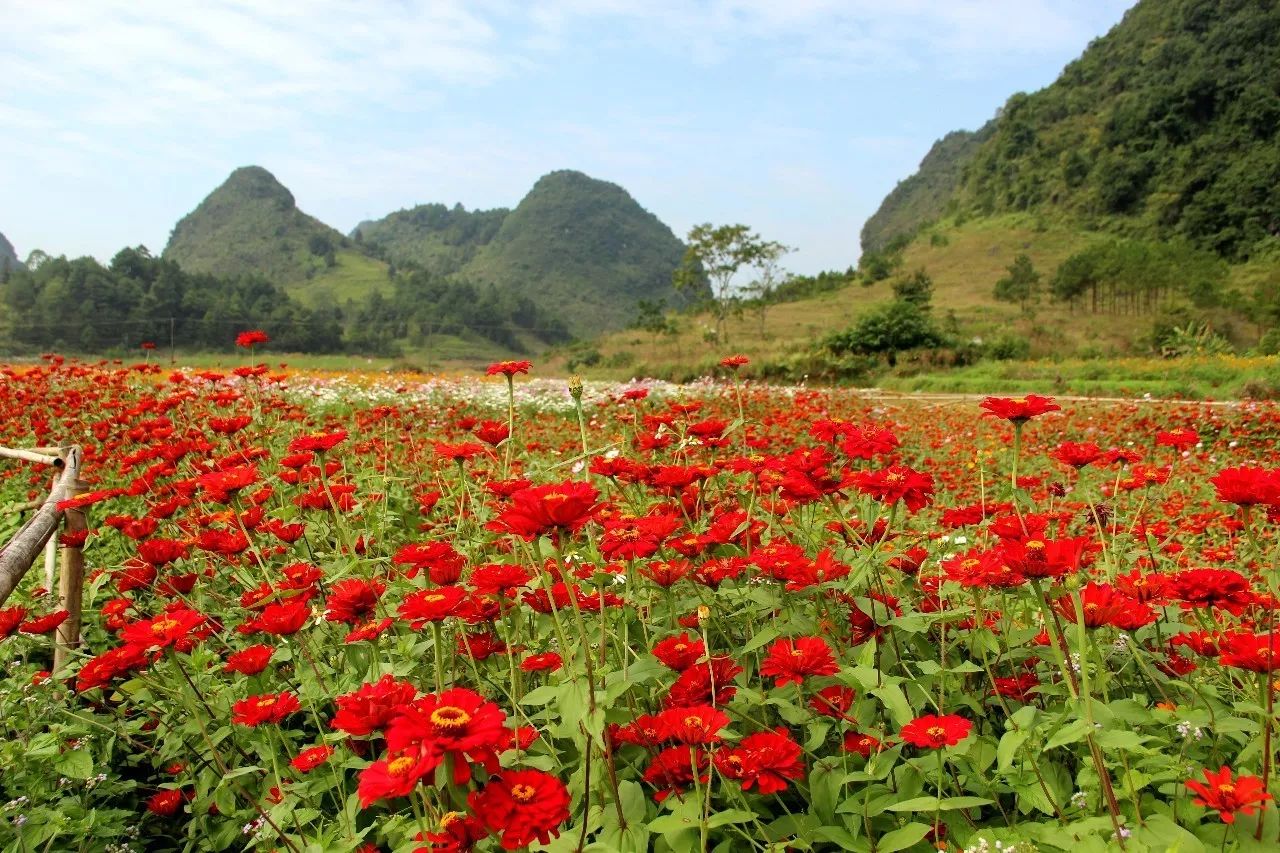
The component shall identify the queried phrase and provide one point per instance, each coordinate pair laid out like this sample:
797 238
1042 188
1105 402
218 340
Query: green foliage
916 288
800 287
83 306
9 262
437 238
715 255
1007 346
1021 285
1139 276
422 305
651 316
922 197
586 251
1166 127
1193 338
250 225
886 329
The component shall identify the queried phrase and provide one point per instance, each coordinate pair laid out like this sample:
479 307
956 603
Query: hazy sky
793 116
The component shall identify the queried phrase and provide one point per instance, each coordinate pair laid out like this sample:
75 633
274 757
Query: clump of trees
1139 277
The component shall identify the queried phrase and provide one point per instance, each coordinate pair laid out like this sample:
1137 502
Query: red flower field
350 613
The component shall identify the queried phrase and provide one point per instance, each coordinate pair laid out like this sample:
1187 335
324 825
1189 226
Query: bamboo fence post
71 580
21 551
50 563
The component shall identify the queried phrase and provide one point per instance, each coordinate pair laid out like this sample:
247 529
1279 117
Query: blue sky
793 116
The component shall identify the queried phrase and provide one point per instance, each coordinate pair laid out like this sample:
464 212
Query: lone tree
718 253
1021 285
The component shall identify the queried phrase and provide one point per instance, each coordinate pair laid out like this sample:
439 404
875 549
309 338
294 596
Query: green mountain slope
1168 127
251 225
8 257
923 196
434 237
584 249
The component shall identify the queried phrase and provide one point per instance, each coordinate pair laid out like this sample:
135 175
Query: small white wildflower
1079 800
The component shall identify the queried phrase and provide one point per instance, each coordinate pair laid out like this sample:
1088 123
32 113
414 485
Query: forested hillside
251 225
8 257
1166 128
923 196
432 237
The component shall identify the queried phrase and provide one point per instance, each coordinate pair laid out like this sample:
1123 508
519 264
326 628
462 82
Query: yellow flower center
523 793
450 718
163 626
400 766
936 732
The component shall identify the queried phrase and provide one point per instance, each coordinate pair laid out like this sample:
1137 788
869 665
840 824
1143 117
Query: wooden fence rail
37 535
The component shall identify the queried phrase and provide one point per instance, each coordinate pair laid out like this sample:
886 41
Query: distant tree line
422 304
81 305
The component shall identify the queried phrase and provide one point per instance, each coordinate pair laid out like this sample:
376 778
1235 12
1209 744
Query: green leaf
540 695
928 804
76 764
728 816
895 702
1070 733
1010 743
768 635
901 839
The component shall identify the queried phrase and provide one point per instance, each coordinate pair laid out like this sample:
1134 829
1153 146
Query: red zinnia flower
164 630
523 805
251 337
10 619
431 605
671 771
160 552
547 661
1256 653
508 368
458 722
541 509
264 708
697 724
280 618
1247 486
44 624
370 630
1021 410
680 652
792 660
370 708
932 732
862 744
310 759
165 803
394 776
250 661
897 483
765 760
317 442
733 362
352 600
1228 794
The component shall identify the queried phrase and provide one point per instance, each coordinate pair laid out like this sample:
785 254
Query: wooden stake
70 587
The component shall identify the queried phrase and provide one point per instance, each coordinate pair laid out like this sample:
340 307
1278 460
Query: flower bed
328 614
